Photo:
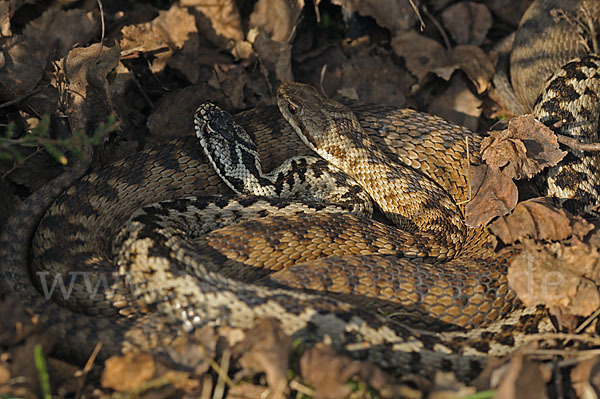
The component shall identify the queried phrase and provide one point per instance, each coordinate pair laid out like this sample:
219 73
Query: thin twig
467 174
577 145
438 26
322 79
571 337
587 322
417 13
102 24
88 366
20 98
19 164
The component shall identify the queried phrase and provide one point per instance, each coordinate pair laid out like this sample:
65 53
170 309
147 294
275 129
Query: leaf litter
159 60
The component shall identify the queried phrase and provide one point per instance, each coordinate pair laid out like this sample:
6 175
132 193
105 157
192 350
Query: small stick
577 145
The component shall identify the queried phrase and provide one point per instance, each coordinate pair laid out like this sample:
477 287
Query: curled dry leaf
276 59
266 348
88 90
521 151
165 34
395 15
586 378
424 55
223 17
475 63
123 373
557 275
522 378
468 22
538 218
494 194
446 386
26 55
276 18
329 372
458 104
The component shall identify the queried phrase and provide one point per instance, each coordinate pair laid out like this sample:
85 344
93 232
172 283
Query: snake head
324 125
225 143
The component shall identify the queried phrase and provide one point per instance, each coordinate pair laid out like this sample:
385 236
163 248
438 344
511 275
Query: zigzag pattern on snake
126 318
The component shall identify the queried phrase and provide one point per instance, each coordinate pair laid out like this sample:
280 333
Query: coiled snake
170 289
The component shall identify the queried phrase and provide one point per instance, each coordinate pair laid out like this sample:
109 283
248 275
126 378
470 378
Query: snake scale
76 232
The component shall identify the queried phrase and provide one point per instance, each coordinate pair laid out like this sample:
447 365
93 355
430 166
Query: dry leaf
521 151
538 218
266 348
26 55
422 55
327 371
586 378
557 276
446 386
523 378
395 15
165 34
123 373
88 90
276 58
457 104
223 17
276 18
468 22
476 64
494 194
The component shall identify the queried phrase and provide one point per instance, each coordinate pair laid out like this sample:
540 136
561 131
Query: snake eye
292 109
206 130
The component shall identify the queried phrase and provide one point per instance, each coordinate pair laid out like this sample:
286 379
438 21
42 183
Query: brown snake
106 198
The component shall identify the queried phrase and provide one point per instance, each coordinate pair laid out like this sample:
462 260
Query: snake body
123 313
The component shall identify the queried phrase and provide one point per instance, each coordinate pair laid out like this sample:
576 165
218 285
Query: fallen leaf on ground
457 104
468 22
276 59
328 372
26 55
561 277
165 34
446 386
88 90
494 194
476 64
538 218
520 151
123 373
276 18
395 15
222 19
586 378
266 348
521 378
424 55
